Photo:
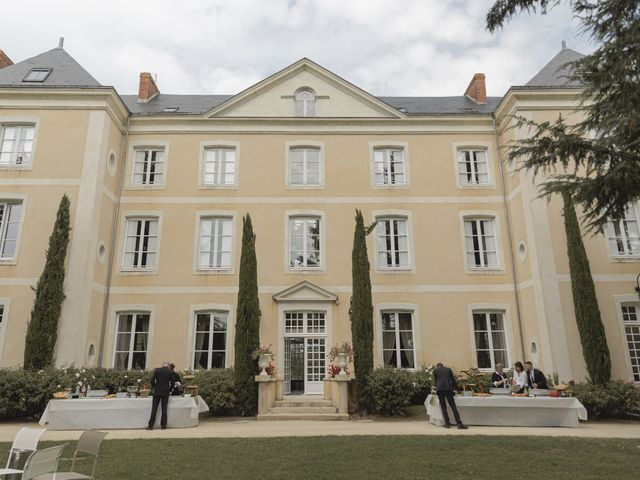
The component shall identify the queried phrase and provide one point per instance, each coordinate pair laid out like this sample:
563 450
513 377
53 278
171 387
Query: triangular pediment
274 96
305 292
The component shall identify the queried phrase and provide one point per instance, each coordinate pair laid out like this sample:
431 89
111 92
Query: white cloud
387 47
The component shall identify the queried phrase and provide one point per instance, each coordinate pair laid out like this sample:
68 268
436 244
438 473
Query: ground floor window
132 337
210 349
490 339
397 339
631 319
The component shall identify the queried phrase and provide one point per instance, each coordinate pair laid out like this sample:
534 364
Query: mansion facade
468 267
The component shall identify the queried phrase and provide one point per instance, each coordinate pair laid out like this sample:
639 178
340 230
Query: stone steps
303 407
299 403
296 410
303 416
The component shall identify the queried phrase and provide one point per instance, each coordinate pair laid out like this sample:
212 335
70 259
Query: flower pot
144 392
342 362
263 363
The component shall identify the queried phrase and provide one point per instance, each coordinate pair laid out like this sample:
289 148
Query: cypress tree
42 330
585 302
361 311
247 337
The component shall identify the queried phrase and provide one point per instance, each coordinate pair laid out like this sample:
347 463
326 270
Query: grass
368 457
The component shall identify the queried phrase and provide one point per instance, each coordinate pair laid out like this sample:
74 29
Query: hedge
393 389
613 400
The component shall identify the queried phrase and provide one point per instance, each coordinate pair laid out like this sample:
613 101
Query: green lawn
359 457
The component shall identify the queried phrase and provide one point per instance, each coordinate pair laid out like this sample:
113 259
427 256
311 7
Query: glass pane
123 341
200 360
496 321
202 341
202 322
219 341
388 321
142 323
125 323
218 360
501 357
406 358
479 321
121 361
139 361
482 340
406 340
484 359
405 321
499 341
388 340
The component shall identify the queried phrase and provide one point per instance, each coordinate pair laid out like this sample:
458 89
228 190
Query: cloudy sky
387 47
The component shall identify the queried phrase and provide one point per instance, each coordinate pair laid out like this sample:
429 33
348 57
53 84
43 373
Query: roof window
170 109
37 75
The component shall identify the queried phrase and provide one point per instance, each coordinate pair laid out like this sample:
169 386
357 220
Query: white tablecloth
511 411
107 413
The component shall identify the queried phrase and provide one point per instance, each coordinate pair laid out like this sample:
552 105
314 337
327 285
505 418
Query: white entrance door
304 352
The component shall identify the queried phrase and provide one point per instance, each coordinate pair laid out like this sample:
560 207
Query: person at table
162 384
499 378
535 378
445 385
519 377
177 381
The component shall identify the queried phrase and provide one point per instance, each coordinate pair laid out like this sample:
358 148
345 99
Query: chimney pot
61 42
477 90
147 88
4 60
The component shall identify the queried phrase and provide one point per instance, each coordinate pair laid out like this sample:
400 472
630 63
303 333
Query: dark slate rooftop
442 105
555 73
65 71
186 104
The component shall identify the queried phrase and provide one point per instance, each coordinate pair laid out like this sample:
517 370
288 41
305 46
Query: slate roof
442 105
65 71
187 104
554 73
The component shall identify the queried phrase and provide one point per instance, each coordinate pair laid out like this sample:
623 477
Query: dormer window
305 102
37 75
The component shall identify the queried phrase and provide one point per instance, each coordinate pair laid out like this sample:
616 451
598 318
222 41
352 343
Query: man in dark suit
535 378
445 385
162 384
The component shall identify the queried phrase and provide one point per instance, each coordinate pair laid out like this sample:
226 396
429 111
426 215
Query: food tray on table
499 391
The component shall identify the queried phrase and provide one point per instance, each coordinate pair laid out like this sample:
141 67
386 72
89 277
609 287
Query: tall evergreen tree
596 160
585 302
247 323
42 331
361 311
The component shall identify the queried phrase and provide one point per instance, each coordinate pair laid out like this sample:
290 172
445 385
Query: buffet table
107 413
510 411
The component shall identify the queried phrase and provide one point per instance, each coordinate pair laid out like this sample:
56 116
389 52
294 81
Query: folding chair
89 446
25 439
43 461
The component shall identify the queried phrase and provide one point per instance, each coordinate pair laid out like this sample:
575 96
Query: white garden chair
42 462
88 447
25 439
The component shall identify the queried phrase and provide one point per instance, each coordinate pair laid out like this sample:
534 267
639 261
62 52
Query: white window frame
215 145
132 310
191 333
131 158
609 233
482 215
11 121
621 300
5 303
378 215
147 172
14 198
200 216
311 144
414 309
475 145
289 215
487 308
309 107
391 145
210 350
140 215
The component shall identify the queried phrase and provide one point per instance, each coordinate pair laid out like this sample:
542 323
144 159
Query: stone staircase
303 407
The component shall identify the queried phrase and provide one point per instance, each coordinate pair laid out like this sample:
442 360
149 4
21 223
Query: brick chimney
477 91
4 60
147 88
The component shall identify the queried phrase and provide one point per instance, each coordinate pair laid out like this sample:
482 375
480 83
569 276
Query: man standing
445 385
535 378
162 384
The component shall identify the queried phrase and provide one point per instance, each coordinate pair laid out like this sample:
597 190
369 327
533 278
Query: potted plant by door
264 355
341 355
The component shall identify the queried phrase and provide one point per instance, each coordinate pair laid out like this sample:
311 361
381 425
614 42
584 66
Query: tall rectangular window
631 321
10 214
304 242
392 243
397 339
16 144
389 167
219 168
210 349
480 242
623 234
491 340
148 167
304 166
141 243
132 336
473 167
216 236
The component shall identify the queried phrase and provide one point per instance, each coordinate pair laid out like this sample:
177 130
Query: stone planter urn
263 363
342 362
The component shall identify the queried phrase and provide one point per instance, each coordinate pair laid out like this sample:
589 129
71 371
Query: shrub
613 400
391 390
216 387
422 382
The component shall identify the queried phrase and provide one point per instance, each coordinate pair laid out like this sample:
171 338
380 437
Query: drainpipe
509 238
112 242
